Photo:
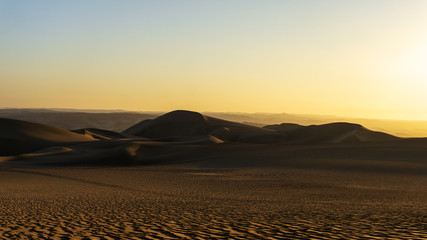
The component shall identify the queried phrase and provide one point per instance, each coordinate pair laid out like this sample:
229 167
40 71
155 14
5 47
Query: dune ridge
185 175
21 136
339 132
182 136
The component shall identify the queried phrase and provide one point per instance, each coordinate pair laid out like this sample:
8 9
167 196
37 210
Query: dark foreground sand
189 201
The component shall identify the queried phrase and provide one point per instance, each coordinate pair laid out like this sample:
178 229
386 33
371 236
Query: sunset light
213 119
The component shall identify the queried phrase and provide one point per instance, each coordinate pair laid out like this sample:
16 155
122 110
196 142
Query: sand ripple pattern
179 205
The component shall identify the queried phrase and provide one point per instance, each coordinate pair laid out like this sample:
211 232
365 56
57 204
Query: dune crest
22 137
188 123
339 132
182 136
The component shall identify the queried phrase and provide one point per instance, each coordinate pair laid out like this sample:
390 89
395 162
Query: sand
187 201
184 175
172 137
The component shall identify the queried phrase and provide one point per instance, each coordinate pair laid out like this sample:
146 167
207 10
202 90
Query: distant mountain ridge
116 121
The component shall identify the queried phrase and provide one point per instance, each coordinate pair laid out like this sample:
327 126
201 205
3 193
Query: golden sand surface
186 201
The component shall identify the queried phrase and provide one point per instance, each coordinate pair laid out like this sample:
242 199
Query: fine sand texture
189 201
184 175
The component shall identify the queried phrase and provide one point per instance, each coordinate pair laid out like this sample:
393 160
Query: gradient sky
349 58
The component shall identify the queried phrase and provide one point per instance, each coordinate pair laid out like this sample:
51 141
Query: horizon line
104 110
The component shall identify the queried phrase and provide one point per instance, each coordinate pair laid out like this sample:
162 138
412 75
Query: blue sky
327 57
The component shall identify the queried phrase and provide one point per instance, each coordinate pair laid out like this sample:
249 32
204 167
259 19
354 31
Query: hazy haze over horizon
360 59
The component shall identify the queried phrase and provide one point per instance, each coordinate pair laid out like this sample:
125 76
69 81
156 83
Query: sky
359 58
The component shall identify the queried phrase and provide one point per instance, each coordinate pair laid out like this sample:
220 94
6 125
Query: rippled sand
189 202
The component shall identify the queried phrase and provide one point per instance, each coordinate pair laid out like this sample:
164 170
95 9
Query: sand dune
118 121
331 133
183 136
100 133
22 137
184 175
187 123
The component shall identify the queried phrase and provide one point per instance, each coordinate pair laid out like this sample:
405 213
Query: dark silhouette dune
284 127
185 136
176 123
187 123
331 133
99 133
120 120
18 137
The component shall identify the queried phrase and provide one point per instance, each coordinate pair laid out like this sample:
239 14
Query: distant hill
115 121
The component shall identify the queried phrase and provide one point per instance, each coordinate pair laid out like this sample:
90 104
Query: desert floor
187 201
